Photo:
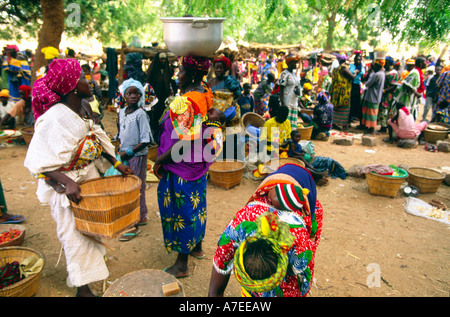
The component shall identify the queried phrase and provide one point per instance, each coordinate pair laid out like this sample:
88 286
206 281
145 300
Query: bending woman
271 243
67 149
182 166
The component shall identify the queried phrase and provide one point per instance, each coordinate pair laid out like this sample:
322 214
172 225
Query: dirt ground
361 232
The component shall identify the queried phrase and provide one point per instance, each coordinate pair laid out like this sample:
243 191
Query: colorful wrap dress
182 190
300 254
340 91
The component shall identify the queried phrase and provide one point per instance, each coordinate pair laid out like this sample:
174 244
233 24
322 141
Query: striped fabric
370 114
341 115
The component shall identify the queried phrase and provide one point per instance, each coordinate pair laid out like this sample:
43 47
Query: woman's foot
84 291
178 271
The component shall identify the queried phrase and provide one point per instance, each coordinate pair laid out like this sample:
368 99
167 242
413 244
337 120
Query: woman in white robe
66 149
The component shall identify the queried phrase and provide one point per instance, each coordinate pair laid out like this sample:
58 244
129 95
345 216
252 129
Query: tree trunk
330 32
53 15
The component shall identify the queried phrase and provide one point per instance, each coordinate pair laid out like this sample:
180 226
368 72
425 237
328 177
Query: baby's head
247 87
296 136
215 114
260 261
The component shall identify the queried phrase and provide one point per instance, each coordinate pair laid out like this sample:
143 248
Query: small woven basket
109 206
306 132
426 180
382 185
436 131
153 153
226 174
17 240
274 164
29 285
27 134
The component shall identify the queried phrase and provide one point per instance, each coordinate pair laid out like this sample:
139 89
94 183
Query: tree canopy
329 24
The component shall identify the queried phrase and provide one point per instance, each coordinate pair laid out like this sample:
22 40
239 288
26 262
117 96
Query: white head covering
133 83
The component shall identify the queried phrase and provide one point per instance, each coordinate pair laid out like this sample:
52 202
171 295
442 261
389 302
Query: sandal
13 220
198 257
127 236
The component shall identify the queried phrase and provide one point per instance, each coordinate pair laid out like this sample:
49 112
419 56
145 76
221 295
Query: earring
75 92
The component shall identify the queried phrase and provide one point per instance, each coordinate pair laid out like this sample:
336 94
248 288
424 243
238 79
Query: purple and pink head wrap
196 62
62 77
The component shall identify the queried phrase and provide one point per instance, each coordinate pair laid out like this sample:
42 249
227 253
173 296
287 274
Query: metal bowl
193 35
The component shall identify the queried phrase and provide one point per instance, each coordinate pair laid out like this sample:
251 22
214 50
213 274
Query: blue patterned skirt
182 207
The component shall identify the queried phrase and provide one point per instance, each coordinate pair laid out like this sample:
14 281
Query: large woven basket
309 112
382 185
27 134
226 174
274 164
109 205
436 131
306 132
153 153
29 285
253 119
16 241
426 180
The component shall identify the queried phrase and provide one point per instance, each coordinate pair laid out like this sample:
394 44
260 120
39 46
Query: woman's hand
73 191
157 169
124 170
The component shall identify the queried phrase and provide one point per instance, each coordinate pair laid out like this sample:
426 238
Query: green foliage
318 23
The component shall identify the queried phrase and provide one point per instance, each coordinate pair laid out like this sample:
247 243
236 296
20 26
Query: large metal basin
193 36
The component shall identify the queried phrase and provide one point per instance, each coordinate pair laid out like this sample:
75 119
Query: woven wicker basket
226 174
29 285
16 241
425 179
309 112
306 132
27 134
153 153
251 118
432 134
109 206
382 185
274 164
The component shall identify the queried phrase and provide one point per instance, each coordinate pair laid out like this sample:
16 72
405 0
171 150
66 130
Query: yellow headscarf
4 93
50 52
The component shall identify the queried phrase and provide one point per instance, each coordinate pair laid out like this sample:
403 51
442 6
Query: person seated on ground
280 122
295 150
322 117
404 126
306 101
246 101
21 109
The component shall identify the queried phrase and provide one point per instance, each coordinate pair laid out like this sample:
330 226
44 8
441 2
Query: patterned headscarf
277 234
292 197
133 83
222 59
196 62
323 97
62 77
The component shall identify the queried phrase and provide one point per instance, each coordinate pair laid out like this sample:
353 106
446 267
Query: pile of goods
10 235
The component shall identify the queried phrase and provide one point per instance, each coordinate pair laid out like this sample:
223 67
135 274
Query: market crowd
169 103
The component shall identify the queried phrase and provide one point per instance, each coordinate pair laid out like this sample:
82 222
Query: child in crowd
246 101
295 150
135 137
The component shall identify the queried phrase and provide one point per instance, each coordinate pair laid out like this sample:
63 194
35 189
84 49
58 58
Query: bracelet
130 152
117 164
